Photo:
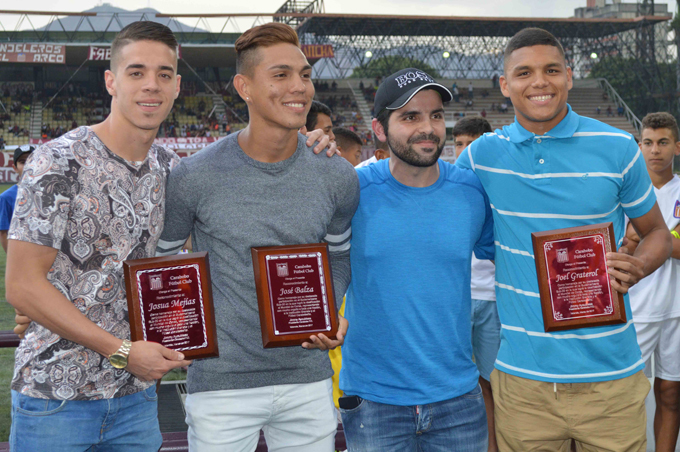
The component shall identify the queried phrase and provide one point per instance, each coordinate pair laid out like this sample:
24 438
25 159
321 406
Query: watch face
118 361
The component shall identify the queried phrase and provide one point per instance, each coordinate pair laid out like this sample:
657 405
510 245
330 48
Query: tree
383 66
628 78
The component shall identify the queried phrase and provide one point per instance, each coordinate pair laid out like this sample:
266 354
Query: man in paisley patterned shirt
88 201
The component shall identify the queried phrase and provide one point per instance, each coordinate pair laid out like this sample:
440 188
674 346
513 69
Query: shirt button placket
539 160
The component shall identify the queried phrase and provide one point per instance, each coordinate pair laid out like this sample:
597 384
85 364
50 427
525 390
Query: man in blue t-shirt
554 169
409 380
9 196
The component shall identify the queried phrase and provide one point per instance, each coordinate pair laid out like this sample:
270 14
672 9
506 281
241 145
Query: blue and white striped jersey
581 172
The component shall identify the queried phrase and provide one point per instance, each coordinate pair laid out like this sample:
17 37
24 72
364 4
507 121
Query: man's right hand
150 360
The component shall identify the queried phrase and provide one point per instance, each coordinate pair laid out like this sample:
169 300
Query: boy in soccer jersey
9 196
486 327
655 300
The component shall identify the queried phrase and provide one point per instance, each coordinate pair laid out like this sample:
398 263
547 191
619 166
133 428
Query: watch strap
124 349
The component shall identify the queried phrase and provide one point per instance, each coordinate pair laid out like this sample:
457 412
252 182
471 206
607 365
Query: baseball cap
21 150
398 89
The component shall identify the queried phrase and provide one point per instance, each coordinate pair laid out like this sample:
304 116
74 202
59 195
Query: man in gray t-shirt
262 187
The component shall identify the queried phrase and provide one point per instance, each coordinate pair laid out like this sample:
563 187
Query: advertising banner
24 52
316 51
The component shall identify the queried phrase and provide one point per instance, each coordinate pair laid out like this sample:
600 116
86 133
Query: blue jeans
128 423
458 424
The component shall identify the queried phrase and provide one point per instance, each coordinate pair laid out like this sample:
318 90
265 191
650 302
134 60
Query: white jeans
295 418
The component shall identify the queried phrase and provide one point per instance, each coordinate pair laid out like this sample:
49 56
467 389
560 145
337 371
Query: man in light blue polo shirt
554 169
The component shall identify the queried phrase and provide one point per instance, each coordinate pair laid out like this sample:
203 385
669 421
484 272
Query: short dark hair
345 137
265 35
530 37
473 126
661 120
143 30
317 107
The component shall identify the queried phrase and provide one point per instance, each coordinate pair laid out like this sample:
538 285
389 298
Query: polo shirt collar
565 129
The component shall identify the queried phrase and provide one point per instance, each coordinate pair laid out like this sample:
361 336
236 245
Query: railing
456 115
614 96
9 339
362 105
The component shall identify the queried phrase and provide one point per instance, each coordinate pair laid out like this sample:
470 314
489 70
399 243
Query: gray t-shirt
98 210
229 203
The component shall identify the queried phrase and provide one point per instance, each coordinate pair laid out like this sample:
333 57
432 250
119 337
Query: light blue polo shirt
581 172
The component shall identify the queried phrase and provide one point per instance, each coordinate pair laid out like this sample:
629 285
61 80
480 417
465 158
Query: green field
7 354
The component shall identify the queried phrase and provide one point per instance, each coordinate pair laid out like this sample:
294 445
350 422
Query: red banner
7 173
20 52
8 176
99 53
104 53
6 159
316 51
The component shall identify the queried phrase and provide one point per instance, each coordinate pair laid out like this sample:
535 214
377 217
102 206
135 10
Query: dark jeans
458 424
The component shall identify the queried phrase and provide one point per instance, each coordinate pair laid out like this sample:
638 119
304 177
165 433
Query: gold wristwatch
119 359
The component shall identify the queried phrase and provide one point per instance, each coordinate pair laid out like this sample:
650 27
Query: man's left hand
625 270
324 142
324 343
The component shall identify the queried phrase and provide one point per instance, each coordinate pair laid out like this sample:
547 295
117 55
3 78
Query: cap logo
412 76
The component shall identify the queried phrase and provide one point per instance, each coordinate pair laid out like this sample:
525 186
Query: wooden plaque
170 302
294 293
573 281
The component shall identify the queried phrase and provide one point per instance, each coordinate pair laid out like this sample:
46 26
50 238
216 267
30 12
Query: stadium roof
100 24
392 25
205 46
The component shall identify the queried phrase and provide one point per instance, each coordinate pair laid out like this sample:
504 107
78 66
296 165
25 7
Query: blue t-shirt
579 173
408 304
7 200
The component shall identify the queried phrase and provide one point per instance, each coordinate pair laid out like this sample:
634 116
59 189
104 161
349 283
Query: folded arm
652 251
30 292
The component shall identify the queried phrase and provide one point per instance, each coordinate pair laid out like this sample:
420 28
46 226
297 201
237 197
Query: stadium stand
343 104
202 115
15 112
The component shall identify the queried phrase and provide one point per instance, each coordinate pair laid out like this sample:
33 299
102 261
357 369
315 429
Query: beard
408 155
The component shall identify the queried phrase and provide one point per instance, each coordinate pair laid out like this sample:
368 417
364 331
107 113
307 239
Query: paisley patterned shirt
98 210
